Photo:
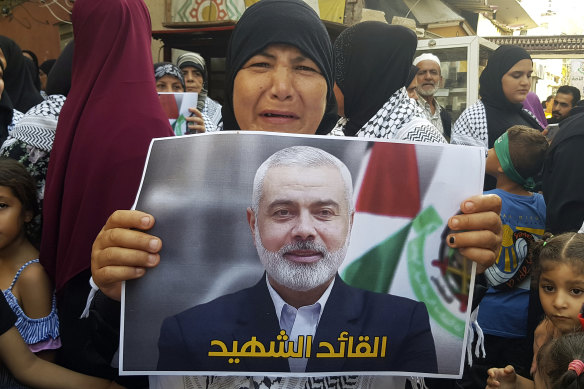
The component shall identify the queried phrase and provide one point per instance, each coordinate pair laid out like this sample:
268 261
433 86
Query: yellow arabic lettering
363 349
283 348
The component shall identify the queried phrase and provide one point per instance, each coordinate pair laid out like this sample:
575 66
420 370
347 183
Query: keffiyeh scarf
400 118
37 127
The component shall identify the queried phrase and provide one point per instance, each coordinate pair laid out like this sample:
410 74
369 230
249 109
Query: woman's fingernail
151 259
454 222
469 206
451 239
145 221
153 244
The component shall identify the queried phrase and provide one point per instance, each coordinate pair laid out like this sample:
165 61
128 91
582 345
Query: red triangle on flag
390 185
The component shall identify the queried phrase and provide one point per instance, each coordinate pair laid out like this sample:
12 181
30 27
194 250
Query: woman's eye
260 65
3 205
307 68
577 292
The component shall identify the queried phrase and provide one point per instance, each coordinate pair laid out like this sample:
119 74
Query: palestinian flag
404 195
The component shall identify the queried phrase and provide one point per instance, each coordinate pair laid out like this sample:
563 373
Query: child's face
561 292
492 166
12 218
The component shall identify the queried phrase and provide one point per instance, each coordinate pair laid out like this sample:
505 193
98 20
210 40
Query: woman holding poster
292 69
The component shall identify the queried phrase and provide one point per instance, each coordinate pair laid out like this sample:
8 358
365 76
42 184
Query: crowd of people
75 134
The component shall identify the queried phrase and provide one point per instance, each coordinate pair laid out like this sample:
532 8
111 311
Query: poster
207 309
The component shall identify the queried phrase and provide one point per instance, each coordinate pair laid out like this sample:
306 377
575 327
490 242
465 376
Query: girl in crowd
560 278
370 84
31 370
17 78
169 78
194 71
23 280
559 366
111 114
31 140
503 86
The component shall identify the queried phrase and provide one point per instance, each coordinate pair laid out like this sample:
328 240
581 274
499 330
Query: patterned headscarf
162 69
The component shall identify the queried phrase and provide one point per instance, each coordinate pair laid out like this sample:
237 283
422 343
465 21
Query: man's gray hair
301 156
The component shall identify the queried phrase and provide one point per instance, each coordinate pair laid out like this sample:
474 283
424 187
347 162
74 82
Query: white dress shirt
296 322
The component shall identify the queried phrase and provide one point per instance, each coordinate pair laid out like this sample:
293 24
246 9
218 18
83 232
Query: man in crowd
300 219
563 180
566 98
429 80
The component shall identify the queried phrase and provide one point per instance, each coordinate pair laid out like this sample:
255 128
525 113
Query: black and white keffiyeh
471 128
37 127
400 118
212 110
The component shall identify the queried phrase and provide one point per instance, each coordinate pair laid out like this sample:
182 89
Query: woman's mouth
276 117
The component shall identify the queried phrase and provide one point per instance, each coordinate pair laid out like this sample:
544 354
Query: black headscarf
59 77
33 68
17 78
413 73
291 22
6 112
501 113
373 60
47 66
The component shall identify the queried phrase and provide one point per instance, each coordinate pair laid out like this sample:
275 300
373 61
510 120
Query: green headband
502 150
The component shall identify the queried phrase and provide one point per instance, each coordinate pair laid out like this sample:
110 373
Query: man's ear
251 220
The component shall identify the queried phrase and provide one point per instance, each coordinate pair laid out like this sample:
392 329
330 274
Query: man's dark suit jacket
185 338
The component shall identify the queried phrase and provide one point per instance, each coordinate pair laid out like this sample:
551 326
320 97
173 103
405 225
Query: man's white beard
428 92
301 276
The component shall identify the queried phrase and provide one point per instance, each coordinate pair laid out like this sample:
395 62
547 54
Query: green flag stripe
375 269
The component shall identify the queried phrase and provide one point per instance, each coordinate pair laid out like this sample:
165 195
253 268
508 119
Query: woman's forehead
276 49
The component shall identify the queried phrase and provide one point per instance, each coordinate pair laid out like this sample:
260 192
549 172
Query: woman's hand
122 252
480 229
195 123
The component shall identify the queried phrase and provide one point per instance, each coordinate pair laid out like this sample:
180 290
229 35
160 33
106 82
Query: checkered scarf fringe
37 127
